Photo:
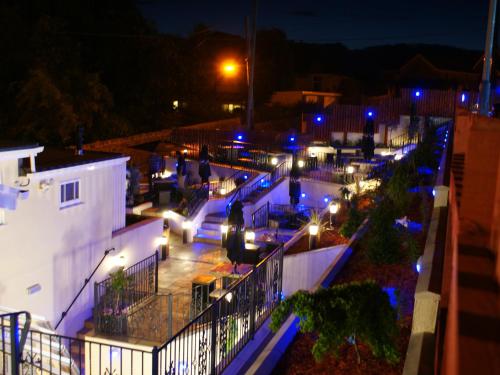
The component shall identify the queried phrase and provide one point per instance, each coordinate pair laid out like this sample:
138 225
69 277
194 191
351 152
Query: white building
59 212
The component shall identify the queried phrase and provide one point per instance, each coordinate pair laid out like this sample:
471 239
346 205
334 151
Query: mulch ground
298 358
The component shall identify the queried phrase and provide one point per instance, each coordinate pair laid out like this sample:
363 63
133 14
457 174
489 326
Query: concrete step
216 217
209 232
207 239
211 226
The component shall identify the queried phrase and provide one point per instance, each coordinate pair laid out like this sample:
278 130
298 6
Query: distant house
59 212
293 98
439 74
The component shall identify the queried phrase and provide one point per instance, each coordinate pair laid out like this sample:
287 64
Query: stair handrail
86 282
272 176
262 210
16 346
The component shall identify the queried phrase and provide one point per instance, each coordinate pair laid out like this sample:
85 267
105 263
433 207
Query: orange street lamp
229 68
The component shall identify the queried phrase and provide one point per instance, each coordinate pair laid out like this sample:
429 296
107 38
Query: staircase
457 167
209 231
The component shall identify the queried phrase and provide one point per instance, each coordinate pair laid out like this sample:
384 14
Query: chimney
79 140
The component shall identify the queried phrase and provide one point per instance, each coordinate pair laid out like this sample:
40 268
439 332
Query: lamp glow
239 137
229 68
325 199
292 139
163 240
318 119
334 208
417 94
370 113
303 195
300 163
224 228
249 236
274 161
120 261
418 265
187 224
222 191
350 169
313 229
229 297
398 157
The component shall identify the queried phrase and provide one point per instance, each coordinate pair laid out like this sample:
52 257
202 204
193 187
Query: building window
230 108
175 105
70 193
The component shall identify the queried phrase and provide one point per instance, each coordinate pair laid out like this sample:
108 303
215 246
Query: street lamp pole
485 87
250 64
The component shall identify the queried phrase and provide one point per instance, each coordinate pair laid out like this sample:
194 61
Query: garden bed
402 277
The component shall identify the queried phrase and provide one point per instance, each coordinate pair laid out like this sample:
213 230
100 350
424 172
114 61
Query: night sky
356 23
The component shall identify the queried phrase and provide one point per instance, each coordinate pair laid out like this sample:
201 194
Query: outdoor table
202 286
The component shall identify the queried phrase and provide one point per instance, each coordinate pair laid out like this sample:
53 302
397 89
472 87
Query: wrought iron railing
262 184
28 351
199 197
260 217
225 187
404 140
213 339
112 307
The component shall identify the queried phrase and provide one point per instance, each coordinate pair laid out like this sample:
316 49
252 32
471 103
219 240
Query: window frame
62 193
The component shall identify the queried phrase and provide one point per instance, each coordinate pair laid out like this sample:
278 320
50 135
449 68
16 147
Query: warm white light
185 151
224 228
361 184
301 163
187 224
229 297
398 157
385 153
119 261
334 208
249 236
350 169
274 161
165 174
163 240
167 214
222 191
313 229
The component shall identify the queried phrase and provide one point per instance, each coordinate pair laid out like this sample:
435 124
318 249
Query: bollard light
163 241
223 230
222 191
313 229
186 231
334 208
313 236
249 236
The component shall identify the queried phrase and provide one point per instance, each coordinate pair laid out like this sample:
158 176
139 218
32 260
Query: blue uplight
418 267
303 195
318 119
370 113
245 177
292 139
326 199
418 93
463 98
239 137
433 192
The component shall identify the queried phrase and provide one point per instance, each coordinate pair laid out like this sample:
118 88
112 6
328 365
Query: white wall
58 248
302 271
316 191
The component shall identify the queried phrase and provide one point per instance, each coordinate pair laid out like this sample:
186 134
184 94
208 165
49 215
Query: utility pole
485 87
251 36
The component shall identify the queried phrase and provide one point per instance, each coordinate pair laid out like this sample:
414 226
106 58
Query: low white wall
316 191
302 271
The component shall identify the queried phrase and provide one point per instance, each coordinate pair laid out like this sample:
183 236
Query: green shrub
396 189
354 219
383 240
347 313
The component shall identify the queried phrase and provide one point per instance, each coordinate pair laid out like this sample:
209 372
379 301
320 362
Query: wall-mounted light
274 161
119 261
300 163
334 208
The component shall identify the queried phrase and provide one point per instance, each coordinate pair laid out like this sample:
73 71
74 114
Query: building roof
51 159
15 146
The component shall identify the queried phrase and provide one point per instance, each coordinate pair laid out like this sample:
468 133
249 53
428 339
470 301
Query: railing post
213 351
155 362
15 352
95 309
267 215
253 305
156 271
169 318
